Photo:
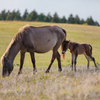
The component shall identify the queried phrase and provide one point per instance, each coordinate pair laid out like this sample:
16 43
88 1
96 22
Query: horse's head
7 66
65 46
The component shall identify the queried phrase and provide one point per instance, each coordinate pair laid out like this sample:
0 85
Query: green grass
78 33
67 85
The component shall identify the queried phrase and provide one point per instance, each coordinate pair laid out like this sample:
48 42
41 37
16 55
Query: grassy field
67 85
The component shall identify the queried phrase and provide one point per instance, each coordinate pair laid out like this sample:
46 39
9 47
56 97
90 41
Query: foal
75 49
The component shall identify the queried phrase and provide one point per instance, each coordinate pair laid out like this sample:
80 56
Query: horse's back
44 38
83 48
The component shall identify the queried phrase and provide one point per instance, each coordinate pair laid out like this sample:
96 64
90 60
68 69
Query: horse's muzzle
63 52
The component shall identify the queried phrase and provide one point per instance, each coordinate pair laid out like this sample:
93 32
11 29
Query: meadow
67 85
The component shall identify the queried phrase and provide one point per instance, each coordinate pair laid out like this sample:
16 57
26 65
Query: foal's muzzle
63 52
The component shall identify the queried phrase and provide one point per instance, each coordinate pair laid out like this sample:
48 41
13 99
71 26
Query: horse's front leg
22 56
33 61
59 62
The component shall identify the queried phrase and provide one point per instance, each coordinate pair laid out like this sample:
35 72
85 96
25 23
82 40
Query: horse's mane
23 28
19 35
17 38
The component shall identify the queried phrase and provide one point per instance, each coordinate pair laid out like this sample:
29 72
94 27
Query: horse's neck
12 50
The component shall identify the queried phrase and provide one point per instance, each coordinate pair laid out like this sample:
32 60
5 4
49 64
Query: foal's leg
33 61
93 59
73 57
76 54
22 56
88 61
59 61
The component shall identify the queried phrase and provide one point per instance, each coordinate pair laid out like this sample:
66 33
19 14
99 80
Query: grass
78 33
67 85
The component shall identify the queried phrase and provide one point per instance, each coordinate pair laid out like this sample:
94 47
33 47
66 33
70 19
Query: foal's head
7 67
65 46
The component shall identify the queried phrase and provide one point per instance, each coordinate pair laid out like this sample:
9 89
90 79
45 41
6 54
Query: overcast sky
82 8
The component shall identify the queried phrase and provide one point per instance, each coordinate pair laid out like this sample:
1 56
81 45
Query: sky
82 8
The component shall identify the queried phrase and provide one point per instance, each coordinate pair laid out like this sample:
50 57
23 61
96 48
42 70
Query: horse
75 49
33 40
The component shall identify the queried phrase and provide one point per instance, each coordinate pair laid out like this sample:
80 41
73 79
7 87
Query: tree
82 21
3 15
90 21
56 18
96 23
47 18
77 19
40 17
11 16
32 16
25 15
63 19
71 19
17 15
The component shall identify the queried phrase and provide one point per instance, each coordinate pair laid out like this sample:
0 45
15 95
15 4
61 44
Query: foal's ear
5 59
69 40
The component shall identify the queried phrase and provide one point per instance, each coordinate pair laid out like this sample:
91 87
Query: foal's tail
90 49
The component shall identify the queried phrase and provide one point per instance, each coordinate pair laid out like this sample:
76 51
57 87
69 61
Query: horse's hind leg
33 61
55 55
59 61
52 60
22 56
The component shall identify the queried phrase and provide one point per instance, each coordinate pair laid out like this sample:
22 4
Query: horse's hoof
34 71
97 69
59 70
47 71
19 73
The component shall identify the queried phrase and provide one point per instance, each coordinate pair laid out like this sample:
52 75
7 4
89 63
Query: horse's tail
90 49
63 55
64 32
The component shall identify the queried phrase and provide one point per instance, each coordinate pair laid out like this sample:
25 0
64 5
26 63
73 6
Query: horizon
84 9
53 14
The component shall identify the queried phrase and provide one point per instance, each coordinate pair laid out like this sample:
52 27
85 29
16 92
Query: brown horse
33 39
75 49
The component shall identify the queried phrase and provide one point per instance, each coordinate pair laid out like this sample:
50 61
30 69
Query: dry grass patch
67 85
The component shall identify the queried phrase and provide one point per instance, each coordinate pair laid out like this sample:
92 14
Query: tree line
34 16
